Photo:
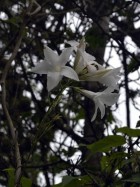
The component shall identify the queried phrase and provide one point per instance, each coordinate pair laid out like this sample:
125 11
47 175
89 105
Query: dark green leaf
106 143
117 159
135 178
11 176
129 132
69 181
26 182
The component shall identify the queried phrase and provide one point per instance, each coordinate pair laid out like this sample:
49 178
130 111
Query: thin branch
5 109
38 8
3 83
8 117
126 87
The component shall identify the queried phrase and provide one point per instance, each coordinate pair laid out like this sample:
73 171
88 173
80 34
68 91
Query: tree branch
5 109
8 117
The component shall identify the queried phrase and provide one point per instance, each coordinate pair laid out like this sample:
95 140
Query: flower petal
79 62
102 108
41 68
50 56
52 80
108 81
69 72
109 99
111 77
64 57
73 43
95 112
88 93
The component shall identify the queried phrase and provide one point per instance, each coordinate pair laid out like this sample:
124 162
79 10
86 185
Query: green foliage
11 176
25 182
49 127
117 159
133 65
16 20
69 181
107 143
135 178
129 132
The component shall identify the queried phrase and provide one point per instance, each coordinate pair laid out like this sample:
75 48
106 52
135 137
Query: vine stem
13 131
7 114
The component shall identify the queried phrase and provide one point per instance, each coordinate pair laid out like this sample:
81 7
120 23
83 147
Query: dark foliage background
51 144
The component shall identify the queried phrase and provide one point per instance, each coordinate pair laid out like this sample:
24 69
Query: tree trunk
94 131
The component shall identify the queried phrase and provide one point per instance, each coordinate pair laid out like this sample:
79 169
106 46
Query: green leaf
11 176
26 182
15 21
106 143
58 185
129 132
117 159
133 65
70 181
135 178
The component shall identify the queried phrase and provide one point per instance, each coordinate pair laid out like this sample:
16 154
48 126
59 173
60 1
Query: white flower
101 99
96 72
54 66
89 70
81 54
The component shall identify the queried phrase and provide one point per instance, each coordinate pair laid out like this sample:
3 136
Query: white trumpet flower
96 72
101 99
89 70
79 48
54 66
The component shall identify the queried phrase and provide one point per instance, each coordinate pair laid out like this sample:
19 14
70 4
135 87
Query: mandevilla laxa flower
81 54
89 70
101 99
85 69
54 66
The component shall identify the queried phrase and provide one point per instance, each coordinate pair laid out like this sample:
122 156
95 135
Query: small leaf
11 176
26 182
129 132
134 179
69 181
15 21
106 143
117 159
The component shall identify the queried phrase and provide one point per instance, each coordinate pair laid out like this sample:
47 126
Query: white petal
88 93
110 98
82 45
64 57
95 75
111 77
102 108
107 90
73 43
95 113
88 56
69 72
79 62
115 71
108 81
52 80
41 68
50 56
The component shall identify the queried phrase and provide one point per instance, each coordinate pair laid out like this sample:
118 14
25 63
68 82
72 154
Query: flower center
57 68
